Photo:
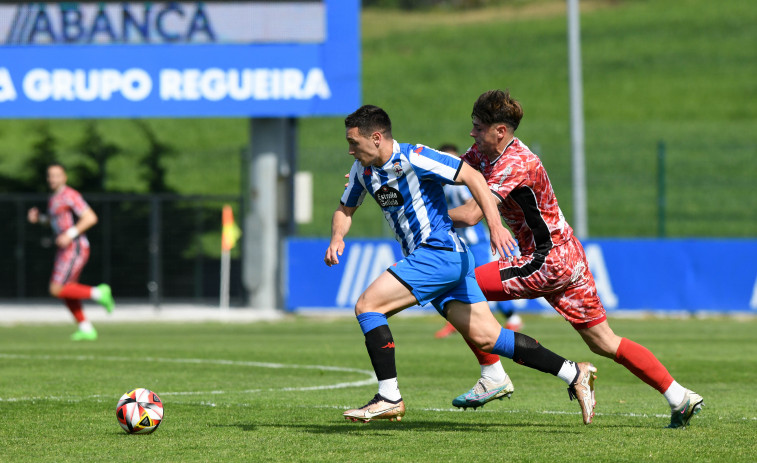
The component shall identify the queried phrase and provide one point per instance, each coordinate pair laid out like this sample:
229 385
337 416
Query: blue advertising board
173 59
631 274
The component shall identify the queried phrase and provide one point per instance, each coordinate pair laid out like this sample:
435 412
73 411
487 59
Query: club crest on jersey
388 197
397 167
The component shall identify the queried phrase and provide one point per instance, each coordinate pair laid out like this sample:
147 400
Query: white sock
95 294
494 372
568 372
86 325
675 394
389 389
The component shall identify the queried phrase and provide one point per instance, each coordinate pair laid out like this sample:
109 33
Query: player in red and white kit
73 250
552 263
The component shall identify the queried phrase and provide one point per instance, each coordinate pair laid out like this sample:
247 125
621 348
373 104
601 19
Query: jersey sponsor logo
387 196
508 170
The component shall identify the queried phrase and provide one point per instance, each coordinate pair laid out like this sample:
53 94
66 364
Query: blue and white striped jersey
457 195
409 190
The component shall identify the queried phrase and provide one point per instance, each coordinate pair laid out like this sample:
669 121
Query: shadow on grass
415 425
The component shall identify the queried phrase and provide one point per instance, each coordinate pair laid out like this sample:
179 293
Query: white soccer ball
139 411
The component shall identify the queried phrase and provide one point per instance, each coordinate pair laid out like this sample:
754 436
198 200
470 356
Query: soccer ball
139 411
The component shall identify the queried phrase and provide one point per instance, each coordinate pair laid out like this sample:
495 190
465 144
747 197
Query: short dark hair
369 119
56 164
496 106
448 148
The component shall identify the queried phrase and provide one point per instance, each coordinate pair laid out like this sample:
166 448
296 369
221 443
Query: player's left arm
501 239
87 220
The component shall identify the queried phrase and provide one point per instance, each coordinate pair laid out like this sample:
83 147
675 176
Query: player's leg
581 306
528 277
640 361
481 254
68 266
477 324
466 308
384 297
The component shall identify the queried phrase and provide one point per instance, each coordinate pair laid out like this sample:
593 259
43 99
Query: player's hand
33 215
336 248
502 242
63 240
347 176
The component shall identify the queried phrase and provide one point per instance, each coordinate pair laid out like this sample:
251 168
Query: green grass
676 71
58 397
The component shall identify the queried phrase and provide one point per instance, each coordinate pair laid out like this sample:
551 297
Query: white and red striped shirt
527 201
62 206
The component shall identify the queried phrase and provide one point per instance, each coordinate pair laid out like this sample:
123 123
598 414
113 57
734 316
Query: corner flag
231 231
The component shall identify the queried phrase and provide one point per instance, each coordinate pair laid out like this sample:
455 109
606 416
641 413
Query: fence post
661 199
20 250
155 283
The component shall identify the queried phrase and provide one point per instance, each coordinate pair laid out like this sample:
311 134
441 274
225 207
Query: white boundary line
365 382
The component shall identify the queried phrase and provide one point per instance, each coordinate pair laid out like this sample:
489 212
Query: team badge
397 167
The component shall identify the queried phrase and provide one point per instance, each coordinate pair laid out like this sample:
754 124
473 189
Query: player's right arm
466 215
33 216
340 225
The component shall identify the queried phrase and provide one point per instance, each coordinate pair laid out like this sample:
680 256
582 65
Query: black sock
380 345
530 353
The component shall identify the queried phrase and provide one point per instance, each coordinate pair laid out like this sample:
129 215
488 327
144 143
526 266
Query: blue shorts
439 276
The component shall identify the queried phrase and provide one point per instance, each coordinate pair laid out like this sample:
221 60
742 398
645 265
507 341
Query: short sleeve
354 192
430 164
76 202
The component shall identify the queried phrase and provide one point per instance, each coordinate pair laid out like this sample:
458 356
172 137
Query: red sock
641 362
74 305
483 357
75 291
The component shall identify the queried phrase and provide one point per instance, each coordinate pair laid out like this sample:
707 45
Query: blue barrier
631 274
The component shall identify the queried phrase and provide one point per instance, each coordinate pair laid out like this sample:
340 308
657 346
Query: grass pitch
275 391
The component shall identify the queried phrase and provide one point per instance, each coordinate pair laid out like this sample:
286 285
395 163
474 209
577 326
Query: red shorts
562 278
69 263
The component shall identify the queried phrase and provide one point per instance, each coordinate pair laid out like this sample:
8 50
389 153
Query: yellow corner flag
231 231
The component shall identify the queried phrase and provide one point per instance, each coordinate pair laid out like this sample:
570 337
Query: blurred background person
73 250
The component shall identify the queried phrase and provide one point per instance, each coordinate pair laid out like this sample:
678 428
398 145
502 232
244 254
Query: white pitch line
365 382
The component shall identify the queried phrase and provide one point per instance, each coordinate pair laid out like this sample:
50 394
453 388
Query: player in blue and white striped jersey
406 181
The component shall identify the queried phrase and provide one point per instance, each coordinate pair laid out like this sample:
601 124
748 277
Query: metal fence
156 248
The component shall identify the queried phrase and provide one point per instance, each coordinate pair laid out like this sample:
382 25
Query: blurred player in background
406 181
552 264
73 250
477 239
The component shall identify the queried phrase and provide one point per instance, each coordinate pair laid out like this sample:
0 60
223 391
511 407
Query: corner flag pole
229 236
